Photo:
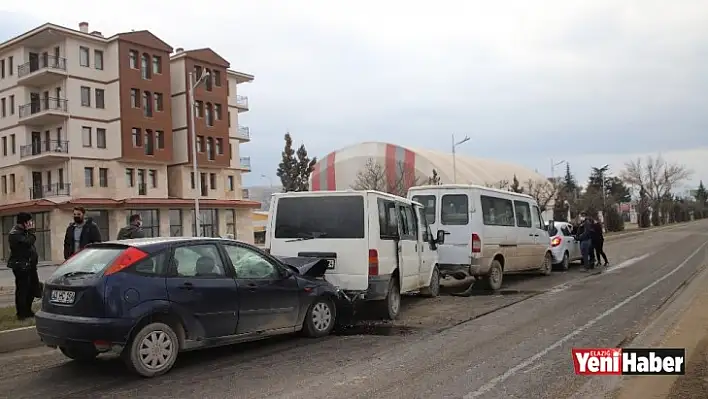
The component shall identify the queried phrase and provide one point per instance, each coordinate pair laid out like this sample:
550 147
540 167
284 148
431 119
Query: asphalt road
513 345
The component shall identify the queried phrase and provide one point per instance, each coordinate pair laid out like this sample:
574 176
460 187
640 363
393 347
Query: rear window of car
428 202
89 261
333 216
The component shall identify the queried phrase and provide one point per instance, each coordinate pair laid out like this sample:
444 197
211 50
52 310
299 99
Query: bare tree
374 176
501 185
543 191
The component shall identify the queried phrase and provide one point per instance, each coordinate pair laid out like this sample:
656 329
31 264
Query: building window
135 98
150 218
200 143
230 183
85 96
200 109
100 98
42 234
208 81
142 187
130 177
209 219
147 104
145 71
192 179
209 114
133 59
160 136
100 138
4 184
212 181
230 221
86 136
88 177
100 217
2 108
203 184
152 174
217 112
210 148
197 72
98 59
12 182
13 144
102 177
10 62
137 137
84 56
158 102
149 142
2 69
220 146
175 222
12 104
156 64
217 78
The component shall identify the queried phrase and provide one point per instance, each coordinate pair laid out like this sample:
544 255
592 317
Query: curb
647 230
18 339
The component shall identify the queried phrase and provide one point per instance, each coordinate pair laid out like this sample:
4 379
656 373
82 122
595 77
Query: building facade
101 122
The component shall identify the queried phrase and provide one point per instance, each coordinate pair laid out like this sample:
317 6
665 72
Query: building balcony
45 111
242 103
243 133
50 190
245 163
43 71
44 152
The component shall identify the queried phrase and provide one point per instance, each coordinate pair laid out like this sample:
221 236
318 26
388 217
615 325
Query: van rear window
454 209
334 216
428 202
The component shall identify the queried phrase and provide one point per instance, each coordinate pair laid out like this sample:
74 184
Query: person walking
23 261
598 240
584 235
133 229
80 233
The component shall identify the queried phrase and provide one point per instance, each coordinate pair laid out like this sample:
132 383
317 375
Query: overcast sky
591 82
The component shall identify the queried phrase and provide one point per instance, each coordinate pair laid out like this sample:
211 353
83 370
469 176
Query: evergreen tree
701 194
288 167
515 186
305 166
570 186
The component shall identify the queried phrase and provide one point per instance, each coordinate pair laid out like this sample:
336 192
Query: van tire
390 307
493 280
547 265
150 334
433 289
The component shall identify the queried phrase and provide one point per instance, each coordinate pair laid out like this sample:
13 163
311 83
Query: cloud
591 81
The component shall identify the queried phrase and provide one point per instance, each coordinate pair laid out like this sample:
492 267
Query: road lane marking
627 263
491 384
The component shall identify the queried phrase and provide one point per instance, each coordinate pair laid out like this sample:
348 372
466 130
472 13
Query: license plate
331 263
59 296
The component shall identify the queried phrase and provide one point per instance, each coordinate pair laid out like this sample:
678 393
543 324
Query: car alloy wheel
321 316
156 350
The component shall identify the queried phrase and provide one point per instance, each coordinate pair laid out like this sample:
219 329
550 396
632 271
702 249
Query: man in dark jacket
598 240
23 261
133 230
584 236
82 232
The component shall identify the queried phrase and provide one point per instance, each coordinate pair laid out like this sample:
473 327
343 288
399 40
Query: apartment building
101 122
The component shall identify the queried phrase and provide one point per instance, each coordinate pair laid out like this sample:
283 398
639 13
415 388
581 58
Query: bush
613 220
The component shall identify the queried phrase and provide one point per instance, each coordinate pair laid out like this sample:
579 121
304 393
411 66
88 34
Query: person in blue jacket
584 236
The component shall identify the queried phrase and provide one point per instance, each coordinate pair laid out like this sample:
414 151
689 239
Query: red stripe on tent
331 177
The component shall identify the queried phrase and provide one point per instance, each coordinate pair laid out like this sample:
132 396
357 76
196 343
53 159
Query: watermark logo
629 361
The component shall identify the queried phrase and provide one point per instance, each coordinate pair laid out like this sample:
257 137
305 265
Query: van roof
468 187
343 192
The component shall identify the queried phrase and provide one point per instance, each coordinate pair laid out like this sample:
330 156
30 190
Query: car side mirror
440 239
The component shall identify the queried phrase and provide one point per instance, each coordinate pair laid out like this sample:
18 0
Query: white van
378 245
491 232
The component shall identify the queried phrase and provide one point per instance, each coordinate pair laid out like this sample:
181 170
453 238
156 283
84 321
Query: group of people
589 233
24 258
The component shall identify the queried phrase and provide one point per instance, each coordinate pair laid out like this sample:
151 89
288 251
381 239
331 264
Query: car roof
156 243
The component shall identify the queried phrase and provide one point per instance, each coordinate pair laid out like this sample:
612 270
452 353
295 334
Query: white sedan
564 247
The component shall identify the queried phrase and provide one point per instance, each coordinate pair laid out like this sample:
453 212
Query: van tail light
556 241
373 262
127 258
476 244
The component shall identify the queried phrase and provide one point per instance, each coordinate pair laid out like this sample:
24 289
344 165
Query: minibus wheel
391 306
433 289
493 280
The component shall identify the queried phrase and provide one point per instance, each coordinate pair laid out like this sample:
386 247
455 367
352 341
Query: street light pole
454 160
192 126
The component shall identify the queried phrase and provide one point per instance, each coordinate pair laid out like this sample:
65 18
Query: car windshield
326 217
88 261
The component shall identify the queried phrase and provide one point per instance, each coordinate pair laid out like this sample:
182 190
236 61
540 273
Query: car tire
79 353
547 265
152 351
433 289
320 318
493 280
565 263
390 307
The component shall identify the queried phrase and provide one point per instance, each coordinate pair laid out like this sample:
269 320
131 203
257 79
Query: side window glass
249 264
523 214
454 210
428 202
410 231
497 211
424 222
565 231
198 261
155 265
388 219
537 219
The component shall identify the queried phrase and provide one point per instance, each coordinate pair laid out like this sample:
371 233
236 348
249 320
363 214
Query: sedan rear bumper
62 330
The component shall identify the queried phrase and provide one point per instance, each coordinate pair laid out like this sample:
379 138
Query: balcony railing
245 162
244 131
43 147
242 101
45 62
142 189
42 105
50 190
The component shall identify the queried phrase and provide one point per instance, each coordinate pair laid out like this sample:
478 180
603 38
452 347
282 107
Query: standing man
23 261
598 240
132 230
585 239
80 233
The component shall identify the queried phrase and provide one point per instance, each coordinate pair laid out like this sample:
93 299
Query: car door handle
251 287
187 286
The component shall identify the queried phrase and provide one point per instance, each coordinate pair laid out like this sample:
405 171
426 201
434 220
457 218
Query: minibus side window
388 219
497 211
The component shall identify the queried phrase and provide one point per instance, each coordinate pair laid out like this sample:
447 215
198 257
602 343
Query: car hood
306 266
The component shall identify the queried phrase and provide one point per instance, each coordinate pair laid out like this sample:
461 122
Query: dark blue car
149 299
